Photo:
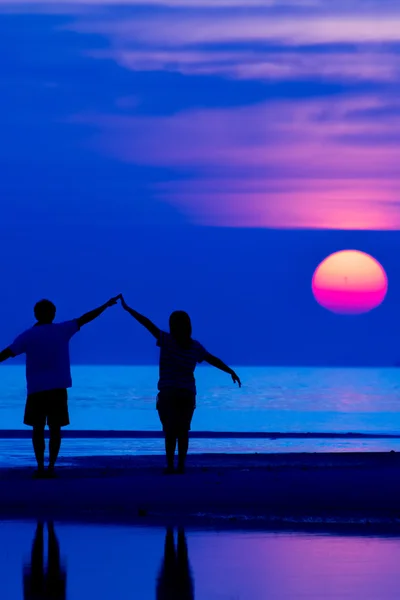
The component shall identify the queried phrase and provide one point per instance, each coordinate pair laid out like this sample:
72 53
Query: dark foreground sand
345 488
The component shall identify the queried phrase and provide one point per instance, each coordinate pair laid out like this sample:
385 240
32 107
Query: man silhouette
48 375
38 583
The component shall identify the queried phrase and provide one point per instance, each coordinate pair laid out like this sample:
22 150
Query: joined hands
124 305
114 300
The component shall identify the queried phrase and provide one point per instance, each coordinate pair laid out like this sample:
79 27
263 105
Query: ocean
271 399
114 561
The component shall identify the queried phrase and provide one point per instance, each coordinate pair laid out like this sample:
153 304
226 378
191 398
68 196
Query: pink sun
349 282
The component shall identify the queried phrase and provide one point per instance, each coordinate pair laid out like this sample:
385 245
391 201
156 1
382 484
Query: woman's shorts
49 407
175 409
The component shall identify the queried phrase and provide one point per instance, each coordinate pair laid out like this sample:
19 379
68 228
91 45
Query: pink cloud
276 165
51 5
310 163
261 65
295 203
298 139
172 30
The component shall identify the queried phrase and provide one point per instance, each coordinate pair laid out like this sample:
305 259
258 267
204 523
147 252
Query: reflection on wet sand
40 583
175 578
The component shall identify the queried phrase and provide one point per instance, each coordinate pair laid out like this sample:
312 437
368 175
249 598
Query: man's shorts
175 409
49 407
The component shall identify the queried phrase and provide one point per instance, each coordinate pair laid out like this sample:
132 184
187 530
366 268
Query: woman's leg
165 412
187 409
183 445
170 446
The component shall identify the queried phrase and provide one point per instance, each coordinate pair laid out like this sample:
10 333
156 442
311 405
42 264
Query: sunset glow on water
117 561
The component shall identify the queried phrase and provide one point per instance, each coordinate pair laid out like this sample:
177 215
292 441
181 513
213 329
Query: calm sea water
271 399
103 562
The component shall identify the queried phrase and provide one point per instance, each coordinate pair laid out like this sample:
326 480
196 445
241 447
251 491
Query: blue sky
203 155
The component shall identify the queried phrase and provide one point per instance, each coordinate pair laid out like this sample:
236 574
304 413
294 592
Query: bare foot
169 471
40 473
51 474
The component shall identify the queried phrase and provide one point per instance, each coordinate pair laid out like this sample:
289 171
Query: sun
349 282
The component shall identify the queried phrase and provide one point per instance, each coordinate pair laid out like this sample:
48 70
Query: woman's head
180 326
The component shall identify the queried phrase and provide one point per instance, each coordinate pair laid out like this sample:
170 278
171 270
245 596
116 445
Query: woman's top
177 364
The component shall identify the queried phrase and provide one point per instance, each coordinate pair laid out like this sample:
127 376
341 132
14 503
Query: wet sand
339 488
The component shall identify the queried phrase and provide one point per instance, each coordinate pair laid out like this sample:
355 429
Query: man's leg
56 575
37 562
39 445
57 417
35 417
34 581
54 445
53 550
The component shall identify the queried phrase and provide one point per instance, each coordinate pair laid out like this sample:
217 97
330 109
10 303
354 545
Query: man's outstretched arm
93 314
219 364
6 354
153 329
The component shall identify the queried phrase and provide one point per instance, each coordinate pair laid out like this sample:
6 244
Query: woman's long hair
180 327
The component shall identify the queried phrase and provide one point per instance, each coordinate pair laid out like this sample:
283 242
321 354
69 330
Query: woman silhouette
176 400
175 580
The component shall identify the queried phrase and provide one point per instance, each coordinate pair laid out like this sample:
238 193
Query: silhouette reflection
175 578
42 583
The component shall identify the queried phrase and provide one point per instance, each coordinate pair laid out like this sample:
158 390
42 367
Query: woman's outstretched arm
154 330
219 364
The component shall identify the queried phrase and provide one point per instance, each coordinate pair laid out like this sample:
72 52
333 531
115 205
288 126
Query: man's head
180 326
45 311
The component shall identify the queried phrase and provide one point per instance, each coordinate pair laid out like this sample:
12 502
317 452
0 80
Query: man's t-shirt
47 355
177 364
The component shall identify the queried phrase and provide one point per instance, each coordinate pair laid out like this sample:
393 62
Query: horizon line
395 365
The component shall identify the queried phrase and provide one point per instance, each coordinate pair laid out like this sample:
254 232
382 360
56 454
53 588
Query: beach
337 489
312 470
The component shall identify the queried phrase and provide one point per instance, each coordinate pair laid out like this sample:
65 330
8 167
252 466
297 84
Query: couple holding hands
48 377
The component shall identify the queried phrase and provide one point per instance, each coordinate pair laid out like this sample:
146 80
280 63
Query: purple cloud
273 165
323 161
